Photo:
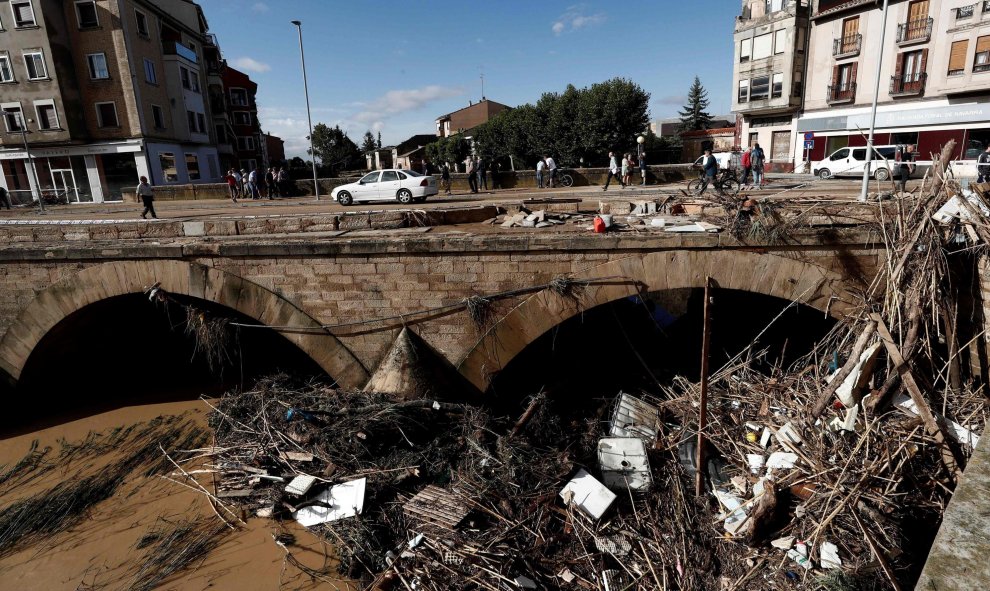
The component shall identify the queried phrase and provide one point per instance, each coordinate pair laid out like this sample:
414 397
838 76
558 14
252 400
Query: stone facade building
106 91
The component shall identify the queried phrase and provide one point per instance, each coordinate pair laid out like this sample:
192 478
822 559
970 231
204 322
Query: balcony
916 31
841 93
176 48
908 84
849 46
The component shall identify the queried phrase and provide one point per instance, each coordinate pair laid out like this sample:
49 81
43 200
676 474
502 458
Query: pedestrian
445 177
613 171
4 198
482 173
626 174
147 195
983 166
472 173
282 182
642 167
709 167
494 166
757 161
231 179
905 157
746 161
540 165
252 184
552 169
270 182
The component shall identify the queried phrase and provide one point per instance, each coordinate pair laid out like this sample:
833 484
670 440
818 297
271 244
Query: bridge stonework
385 283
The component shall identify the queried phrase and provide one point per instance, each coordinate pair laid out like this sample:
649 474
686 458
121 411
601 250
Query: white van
851 161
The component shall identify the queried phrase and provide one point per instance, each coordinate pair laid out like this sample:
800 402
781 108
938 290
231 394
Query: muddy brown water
100 552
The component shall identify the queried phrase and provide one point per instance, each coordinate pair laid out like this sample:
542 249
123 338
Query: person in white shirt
253 184
147 195
552 167
613 171
540 165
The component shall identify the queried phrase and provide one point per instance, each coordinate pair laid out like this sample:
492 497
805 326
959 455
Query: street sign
809 145
809 135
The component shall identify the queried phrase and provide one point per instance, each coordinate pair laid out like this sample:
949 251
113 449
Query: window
798 83
754 137
106 115
762 46
238 97
904 138
965 12
245 143
12 116
743 91
780 146
6 72
745 50
774 5
242 118
191 121
840 155
845 78
389 176
221 134
184 76
981 61
98 66
192 167
850 36
35 63
799 40
912 66
760 88
86 14
957 57
47 117
159 116
777 90
150 76
23 14
779 41
249 164
142 23
371 177
169 172
201 119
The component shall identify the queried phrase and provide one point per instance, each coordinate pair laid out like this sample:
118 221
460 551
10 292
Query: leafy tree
451 150
694 115
368 144
335 150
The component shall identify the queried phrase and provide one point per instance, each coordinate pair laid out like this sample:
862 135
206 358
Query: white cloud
395 102
575 18
251 65
260 7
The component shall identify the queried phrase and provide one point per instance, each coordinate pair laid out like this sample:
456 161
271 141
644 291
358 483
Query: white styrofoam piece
781 460
589 495
624 463
958 432
300 485
337 502
829 554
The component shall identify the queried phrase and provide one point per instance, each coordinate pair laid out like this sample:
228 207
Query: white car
404 186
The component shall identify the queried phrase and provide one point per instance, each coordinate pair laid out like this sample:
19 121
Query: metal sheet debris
589 495
300 485
780 460
632 417
624 463
436 506
337 502
615 545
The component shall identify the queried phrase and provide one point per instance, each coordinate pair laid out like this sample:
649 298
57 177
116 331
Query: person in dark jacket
983 166
709 166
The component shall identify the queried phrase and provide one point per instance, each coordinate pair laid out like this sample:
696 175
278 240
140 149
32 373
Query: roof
473 105
417 141
709 132
842 6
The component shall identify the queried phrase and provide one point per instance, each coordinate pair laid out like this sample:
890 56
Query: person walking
239 177
493 166
540 166
983 166
472 172
252 184
552 169
904 158
642 167
613 171
709 167
147 195
445 177
626 173
282 182
4 198
232 185
482 173
757 161
747 165
270 182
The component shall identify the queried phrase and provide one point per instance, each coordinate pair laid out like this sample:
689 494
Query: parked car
404 186
851 161
724 159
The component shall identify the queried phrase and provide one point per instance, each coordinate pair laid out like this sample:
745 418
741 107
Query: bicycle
561 179
725 183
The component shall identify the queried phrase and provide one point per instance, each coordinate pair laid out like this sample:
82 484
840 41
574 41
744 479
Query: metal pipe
706 337
309 117
876 96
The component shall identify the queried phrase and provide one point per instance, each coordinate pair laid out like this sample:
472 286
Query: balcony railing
964 12
176 48
841 93
847 46
908 84
916 31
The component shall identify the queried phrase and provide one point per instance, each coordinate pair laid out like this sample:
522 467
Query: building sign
71 151
903 118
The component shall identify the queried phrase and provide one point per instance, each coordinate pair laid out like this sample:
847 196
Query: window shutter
852 73
835 76
983 44
850 27
924 62
899 66
957 56
918 10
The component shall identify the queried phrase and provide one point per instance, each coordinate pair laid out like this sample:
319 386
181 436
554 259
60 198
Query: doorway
64 181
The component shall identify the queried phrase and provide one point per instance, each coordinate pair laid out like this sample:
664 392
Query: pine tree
368 144
379 140
694 115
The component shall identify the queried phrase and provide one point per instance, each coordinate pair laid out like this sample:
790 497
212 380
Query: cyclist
709 167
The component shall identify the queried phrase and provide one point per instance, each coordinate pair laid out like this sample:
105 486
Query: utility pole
876 96
22 123
309 116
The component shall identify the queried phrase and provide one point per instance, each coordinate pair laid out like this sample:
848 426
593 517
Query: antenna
482 76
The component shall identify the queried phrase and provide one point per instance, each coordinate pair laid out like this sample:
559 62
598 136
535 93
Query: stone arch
767 274
108 280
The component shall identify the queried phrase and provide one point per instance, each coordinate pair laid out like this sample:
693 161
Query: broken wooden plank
436 506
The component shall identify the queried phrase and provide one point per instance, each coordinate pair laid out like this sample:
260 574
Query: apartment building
250 148
102 92
771 49
934 77
464 120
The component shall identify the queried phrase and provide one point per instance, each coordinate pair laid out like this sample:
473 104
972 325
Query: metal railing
908 84
176 48
847 46
916 31
841 93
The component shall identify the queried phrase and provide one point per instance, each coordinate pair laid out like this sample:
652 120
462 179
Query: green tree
334 149
695 115
451 150
368 144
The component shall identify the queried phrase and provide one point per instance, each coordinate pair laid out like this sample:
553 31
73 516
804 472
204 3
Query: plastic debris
624 463
829 554
337 502
589 495
300 485
780 460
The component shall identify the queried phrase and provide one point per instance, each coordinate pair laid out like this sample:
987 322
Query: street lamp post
309 117
873 115
22 123
639 154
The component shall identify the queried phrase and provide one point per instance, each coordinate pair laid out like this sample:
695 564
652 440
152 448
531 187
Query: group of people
251 185
477 169
623 172
547 167
752 162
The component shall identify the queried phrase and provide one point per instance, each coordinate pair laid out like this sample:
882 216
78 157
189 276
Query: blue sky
395 66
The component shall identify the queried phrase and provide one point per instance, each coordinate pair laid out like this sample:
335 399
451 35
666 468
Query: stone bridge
342 298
